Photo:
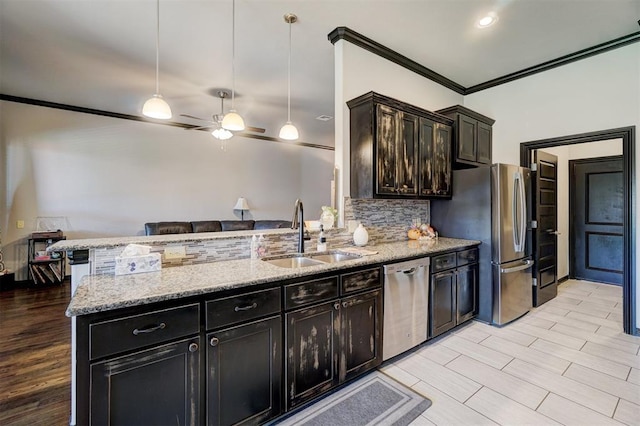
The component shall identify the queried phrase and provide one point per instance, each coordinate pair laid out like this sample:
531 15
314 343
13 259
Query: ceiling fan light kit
156 106
233 121
289 131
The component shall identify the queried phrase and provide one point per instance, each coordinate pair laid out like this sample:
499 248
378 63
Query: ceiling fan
216 121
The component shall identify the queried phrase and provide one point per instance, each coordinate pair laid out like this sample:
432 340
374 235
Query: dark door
136 390
408 154
360 343
244 373
442 302
387 127
545 235
597 219
467 292
312 346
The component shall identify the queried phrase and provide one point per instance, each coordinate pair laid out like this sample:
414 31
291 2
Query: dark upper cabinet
398 150
472 136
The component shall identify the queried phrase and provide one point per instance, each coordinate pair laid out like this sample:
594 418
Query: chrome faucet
298 222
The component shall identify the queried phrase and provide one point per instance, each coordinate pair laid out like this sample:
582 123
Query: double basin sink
301 260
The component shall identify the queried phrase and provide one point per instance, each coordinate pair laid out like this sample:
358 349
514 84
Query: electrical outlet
175 252
352 225
20 224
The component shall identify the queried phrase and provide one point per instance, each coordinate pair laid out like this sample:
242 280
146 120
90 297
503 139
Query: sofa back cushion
237 225
161 228
206 226
272 224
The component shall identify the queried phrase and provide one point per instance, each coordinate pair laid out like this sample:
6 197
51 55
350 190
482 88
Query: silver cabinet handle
551 231
138 331
193 347
246 308
336 306
527 264
345 304
214 341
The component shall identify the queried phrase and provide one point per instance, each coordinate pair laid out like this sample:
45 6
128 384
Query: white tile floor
567 362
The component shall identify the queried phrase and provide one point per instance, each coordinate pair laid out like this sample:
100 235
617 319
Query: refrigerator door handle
523 214
526 265
516 216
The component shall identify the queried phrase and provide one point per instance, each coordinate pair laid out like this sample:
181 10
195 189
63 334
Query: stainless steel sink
299 260
293 261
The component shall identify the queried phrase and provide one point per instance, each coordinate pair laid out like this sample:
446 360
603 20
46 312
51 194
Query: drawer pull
149 329
336 306
246 308
345 304
214 341
193 347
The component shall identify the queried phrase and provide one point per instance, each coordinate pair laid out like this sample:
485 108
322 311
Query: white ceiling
101 53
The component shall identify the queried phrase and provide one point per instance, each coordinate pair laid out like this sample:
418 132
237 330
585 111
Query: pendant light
289 131
156 106
221 133
232 120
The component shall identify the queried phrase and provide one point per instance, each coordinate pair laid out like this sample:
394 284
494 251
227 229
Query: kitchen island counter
99 293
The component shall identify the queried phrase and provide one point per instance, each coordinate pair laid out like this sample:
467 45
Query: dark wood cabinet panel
312 352
398 150
467 292
443 302
472 137
244 371
360 329
159 386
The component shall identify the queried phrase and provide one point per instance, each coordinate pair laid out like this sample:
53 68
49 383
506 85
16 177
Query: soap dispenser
322 240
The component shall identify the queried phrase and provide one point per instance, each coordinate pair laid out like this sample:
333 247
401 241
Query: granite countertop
98 293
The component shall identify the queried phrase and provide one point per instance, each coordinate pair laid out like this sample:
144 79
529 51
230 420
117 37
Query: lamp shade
288 132
222 134
157 107
232 121
241 204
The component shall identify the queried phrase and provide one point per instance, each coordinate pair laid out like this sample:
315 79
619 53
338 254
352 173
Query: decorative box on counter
136 259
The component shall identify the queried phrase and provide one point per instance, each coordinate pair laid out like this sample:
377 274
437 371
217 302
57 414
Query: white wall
359 71
109 176
597 93
564 154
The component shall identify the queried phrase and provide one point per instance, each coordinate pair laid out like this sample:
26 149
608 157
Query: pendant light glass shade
222 134
156 106
232 120
289 131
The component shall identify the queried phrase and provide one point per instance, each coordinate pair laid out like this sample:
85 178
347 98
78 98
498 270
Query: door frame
627 134
572 196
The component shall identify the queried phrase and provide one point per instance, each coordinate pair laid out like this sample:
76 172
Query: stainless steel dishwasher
406 302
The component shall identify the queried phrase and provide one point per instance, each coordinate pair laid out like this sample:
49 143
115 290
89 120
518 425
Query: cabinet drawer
442 262
301 294
244 307
124 334
360 281
467 256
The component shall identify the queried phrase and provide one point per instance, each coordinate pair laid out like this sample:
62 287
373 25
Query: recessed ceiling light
487 20
324 117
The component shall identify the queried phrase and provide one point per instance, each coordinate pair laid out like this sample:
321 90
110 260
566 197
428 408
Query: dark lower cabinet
158 386
454 290
244 370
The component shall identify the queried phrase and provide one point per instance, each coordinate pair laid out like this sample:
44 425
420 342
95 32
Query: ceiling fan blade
195 118
255 129
200 128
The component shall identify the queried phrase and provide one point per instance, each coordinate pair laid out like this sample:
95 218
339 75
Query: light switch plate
352 225
20 224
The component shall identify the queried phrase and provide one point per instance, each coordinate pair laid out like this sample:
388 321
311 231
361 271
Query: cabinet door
467 292
443 302
442 160
360 343
312 352
386 151
426 148
158 386
244 373
467 134
407 158
483 150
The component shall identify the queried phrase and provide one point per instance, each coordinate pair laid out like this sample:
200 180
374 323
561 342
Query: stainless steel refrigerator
491 204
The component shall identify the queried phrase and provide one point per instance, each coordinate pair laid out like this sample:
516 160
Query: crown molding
344 33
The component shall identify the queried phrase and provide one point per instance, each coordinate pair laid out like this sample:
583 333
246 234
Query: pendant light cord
289 79
233 53
157 47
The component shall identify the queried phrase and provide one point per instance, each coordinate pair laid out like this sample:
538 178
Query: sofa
162 228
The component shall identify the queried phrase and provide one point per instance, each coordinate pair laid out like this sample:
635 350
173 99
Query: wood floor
567 362
35 356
